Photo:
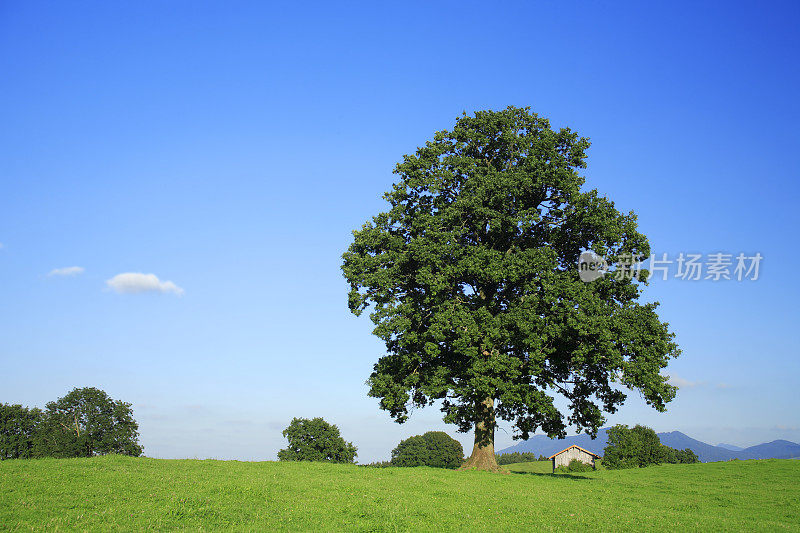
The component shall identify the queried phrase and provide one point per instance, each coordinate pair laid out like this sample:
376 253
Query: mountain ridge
777 449
731 447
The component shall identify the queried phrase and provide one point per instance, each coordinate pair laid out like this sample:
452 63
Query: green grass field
139 493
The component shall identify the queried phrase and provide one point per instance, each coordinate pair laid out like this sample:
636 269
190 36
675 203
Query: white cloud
136 282
682 383
1 245
66 271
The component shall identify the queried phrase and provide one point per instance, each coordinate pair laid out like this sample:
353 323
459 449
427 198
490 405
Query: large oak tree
472 281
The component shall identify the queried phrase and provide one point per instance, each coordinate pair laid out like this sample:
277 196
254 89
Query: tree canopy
316 440
18 427
472 283
88 422
640 446
84 423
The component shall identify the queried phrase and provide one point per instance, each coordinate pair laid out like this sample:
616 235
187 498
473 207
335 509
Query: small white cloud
66 271
1 245
136 282
682 383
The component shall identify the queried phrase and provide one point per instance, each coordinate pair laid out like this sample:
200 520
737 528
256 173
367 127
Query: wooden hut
566 455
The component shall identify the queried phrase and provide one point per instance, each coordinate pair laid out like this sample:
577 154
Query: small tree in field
316 440
631 447
434 448
471 275
640 446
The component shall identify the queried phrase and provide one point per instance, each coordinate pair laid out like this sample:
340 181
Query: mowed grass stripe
122 493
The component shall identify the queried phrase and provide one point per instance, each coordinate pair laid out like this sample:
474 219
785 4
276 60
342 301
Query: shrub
434 448
316 440
575 466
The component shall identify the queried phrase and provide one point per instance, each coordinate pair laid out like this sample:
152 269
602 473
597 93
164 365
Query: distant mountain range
777 449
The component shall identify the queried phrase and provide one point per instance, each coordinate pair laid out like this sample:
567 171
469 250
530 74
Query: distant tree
471 277
686 456
673 456
87 422
316 440
668 455
631 447
18 427
640 446
412 451
434 448
651 451
444 451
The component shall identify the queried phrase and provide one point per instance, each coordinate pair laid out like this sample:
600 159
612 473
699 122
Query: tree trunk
483 457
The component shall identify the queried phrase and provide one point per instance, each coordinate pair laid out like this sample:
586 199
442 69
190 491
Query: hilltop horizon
179 181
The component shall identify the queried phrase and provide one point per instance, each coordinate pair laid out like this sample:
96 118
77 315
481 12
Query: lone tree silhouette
472 281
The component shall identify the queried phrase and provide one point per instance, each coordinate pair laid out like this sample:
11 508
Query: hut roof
573 446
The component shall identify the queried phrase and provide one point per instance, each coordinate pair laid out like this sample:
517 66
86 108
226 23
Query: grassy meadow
123 493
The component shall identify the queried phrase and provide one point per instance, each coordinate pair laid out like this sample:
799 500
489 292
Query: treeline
84 423
518 457
318 440
639 447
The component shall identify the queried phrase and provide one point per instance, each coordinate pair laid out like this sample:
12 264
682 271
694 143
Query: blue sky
230 149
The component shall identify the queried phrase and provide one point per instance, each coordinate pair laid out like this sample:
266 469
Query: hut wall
563 459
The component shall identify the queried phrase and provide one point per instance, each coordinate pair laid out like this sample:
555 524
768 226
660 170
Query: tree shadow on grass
573 477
